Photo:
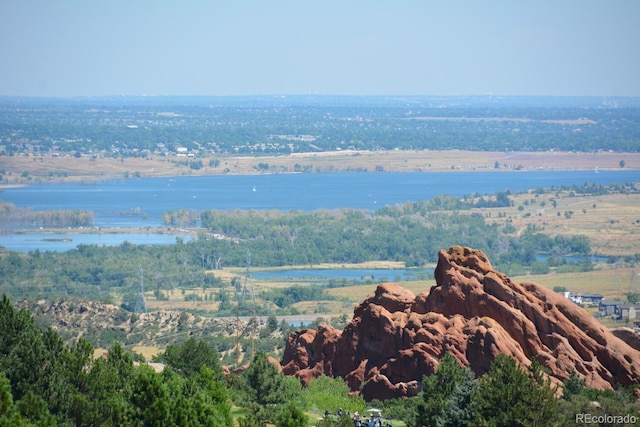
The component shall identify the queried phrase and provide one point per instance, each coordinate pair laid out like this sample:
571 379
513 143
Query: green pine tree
507 396
446 395
291 416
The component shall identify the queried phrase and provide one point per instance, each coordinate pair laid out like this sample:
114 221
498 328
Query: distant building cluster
612 309
584 298
620 310
140 126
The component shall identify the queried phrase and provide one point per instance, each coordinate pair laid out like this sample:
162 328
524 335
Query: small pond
326 276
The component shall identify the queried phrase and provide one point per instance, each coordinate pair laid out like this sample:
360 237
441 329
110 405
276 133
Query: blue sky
401 47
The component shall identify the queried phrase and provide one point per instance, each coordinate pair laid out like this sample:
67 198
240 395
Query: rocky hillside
474 313
103 323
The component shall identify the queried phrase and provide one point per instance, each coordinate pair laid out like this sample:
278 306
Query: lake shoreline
106 230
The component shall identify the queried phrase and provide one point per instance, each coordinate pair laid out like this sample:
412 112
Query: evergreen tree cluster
509 396
43 382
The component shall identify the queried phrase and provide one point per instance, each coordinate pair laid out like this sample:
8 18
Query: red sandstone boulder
309 353
474 313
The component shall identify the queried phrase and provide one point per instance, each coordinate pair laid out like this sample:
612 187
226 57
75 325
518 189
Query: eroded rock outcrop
474 313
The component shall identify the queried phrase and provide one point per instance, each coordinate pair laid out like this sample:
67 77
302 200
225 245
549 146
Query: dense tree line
447 202
181 218
12 216
293 294
344 236
412 233
93 270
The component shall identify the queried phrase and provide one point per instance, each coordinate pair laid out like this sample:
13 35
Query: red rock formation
474 313
628 335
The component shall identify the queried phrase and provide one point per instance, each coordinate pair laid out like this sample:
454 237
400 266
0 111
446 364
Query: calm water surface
57 242
337 274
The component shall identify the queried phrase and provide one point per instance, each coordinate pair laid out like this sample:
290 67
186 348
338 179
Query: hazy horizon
67 48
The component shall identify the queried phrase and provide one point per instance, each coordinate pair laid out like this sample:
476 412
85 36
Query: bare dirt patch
149 352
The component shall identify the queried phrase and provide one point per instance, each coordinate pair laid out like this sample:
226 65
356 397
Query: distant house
577 298
628 311
619 310
609 308
580 299
592 298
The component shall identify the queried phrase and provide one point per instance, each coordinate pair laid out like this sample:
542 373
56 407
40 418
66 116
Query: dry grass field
37 169
148 351
613 283
611 221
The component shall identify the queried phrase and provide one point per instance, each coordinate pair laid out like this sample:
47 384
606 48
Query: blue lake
140 203
574 259
337 274
58 242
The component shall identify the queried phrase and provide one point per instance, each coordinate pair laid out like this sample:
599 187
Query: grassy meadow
611 221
